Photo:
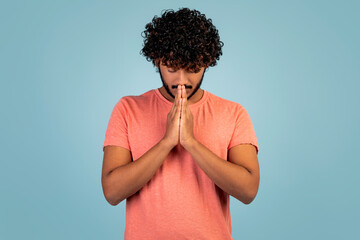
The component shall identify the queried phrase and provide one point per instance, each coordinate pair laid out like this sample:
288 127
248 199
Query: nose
182 79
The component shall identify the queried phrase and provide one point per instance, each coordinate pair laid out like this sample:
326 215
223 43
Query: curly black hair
183 39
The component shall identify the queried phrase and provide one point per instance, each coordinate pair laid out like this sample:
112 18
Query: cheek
169 79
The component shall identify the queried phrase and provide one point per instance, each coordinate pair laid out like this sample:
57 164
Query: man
176 153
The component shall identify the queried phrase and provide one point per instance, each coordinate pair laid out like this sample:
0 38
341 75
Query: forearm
126 180
231 178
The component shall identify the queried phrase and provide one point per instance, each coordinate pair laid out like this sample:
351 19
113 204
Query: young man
176 153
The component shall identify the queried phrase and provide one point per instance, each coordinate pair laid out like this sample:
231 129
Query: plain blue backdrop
294 65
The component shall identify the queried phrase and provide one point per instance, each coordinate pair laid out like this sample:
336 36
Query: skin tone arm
234 179
238 177
125 180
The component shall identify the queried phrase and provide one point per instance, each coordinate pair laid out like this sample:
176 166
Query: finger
183 106
178 109
178 91
178 94
177 97
184 95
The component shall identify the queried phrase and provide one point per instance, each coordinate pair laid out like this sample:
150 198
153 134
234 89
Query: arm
238 177
122 177
125 180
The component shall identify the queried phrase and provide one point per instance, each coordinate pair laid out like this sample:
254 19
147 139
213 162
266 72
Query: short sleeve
244 132
117 129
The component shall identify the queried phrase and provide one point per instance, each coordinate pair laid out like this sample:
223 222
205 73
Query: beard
172 95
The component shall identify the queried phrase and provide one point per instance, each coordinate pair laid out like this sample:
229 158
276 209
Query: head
181 45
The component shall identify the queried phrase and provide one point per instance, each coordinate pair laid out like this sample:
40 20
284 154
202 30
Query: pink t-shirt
180 201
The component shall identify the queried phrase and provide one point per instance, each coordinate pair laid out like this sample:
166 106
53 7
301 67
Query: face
172 78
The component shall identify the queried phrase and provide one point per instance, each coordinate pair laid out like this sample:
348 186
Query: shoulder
224 104
131 101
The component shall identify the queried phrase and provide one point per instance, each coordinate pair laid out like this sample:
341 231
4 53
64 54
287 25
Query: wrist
189 144
166 144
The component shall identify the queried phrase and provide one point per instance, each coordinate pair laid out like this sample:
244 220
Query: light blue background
294 65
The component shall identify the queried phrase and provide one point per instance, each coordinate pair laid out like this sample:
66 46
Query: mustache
176 86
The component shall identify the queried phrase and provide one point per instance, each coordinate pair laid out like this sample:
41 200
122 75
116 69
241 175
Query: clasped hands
180 123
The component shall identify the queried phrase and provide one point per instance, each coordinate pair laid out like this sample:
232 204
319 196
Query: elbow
252 192
111 200
113 203
249 196
247 199
110 195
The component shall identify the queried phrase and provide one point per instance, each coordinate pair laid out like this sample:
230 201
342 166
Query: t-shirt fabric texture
180 201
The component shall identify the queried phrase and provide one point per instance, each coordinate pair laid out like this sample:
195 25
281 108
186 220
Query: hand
173 121
186 121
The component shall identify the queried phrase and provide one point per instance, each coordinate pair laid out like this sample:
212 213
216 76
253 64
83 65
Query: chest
213 129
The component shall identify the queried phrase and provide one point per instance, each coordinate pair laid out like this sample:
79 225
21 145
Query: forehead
172 66
177 68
